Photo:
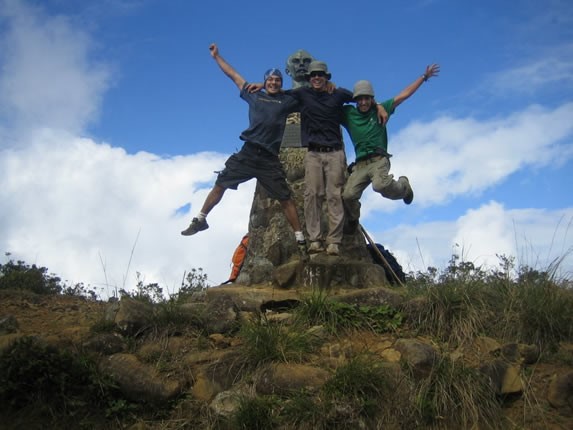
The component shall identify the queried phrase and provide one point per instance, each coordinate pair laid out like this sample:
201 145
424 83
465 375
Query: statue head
297 67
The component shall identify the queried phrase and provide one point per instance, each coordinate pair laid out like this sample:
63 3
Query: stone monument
272 254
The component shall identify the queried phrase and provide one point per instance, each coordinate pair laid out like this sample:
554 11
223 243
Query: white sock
201 216
298 236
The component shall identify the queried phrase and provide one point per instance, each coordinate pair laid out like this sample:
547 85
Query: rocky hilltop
266 357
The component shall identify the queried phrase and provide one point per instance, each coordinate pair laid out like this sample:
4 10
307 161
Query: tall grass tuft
255 413
536 309
361 393
266 341
456 396
452 312
463 302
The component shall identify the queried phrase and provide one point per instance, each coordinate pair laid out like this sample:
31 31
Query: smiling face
364 103
318 81
273 84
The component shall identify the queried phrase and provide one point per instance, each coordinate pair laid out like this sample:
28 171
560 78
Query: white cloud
449 157
535 237
71 203
48 78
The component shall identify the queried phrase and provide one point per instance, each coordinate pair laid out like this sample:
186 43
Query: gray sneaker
195 227
315 247
409 196
332 249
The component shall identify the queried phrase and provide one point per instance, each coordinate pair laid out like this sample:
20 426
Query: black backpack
390 259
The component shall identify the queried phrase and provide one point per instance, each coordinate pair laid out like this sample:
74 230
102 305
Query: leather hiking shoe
332 249
315 247
195 227
409 196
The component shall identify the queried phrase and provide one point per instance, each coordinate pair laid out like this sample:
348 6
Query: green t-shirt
367 134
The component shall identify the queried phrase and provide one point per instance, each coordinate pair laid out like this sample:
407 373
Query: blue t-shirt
267 118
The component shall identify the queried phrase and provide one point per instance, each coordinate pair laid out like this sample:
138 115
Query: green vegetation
255 414
318 308
63 388
360 391
464 301
265 341
39 382
455 396
20 276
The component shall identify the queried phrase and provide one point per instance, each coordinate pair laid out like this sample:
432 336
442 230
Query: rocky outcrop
210 369
138 381
273 256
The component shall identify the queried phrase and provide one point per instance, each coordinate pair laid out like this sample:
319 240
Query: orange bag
239 258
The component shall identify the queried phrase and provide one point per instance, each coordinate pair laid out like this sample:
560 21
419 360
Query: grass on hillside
453 306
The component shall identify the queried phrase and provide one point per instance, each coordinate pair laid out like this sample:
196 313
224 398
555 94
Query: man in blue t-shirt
370 141
259 156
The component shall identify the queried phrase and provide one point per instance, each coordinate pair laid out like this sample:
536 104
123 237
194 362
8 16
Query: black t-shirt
321 115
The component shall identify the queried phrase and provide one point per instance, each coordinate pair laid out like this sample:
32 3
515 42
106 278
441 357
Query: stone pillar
273 256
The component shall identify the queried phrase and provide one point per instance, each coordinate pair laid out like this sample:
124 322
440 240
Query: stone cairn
273 255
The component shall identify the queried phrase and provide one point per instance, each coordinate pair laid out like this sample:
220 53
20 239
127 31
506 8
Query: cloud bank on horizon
92 212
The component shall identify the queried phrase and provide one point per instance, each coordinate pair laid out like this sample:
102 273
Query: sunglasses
319 74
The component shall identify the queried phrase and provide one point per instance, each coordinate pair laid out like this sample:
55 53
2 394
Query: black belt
322 148
371 155
258 149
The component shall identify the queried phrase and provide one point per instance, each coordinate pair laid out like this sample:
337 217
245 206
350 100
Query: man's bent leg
383 182
200 223
291 214
213 199
355 186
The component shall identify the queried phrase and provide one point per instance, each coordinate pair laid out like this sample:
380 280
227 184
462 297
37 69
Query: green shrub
170 318
20 276
195 282
51 383
318 309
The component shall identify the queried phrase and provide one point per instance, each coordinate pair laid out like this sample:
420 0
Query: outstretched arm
226 67
382 114
430 72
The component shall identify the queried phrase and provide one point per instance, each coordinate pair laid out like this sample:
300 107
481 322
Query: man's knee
383 187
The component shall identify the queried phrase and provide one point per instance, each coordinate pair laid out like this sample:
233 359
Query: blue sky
113 116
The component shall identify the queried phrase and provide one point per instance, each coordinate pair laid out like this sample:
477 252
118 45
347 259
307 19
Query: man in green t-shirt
370 140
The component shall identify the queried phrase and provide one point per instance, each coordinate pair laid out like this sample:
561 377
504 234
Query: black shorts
253 161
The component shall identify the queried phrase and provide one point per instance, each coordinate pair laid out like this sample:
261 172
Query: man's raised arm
431 71
226 67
